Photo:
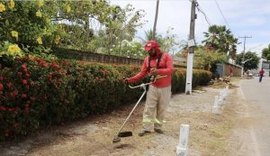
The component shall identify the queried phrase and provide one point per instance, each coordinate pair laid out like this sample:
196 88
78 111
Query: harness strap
158 61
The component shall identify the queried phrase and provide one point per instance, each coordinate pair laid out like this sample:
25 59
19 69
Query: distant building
228 69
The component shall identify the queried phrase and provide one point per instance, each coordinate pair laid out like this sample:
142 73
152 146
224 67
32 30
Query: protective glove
125 80
153 71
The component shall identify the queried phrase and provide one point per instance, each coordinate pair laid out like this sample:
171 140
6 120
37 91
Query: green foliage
37 26
251 60
266 53
128 49
168 42
33 94
8 52
219 38
206 58
98 26
28 23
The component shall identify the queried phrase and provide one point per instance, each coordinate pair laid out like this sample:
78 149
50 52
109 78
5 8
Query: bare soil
210 134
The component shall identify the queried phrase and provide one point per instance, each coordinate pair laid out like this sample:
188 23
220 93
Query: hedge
35 93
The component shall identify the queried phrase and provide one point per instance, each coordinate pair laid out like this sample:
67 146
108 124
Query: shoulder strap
158 61
159 58
148 67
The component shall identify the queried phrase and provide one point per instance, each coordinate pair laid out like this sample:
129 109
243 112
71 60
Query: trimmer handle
145 84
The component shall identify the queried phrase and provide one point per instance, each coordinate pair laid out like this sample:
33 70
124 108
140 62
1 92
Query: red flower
3 108
32 98
19 74
14 93
1 78
12 109
24 82
9 85
24 96
55 66
1 87
16 125
24 66
27 75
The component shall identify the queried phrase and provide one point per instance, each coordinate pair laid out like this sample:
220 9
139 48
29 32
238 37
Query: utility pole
191 44
155 22
243 58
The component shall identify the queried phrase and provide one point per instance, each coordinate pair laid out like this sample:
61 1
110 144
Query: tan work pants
157 101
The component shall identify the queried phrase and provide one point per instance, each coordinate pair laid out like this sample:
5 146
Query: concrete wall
224 69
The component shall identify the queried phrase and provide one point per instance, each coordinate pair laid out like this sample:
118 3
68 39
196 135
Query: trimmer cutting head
116 139
121 134
125 134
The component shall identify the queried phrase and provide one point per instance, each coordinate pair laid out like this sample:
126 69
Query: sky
249 18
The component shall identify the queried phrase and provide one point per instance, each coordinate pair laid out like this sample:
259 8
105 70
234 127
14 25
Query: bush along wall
35 93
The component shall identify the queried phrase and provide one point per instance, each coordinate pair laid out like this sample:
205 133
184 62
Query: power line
222 14
201 11
245 37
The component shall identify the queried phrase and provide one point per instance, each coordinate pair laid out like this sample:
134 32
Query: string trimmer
120 134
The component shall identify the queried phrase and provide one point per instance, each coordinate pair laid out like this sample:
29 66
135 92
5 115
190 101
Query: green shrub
36 93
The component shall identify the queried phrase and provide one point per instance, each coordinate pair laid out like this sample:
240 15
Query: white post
221 95
182 147
188 89
215 108
191 44
226 90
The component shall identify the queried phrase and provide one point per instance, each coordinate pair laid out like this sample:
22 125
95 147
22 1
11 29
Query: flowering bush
28 24
32 94
10 50
36 93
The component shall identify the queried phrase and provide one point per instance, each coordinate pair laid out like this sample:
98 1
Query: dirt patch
93 136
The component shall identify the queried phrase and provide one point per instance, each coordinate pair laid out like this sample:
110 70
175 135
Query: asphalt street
257 97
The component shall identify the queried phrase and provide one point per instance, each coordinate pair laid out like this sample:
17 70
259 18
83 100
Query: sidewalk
93 136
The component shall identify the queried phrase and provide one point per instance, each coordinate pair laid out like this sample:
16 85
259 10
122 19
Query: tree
28 24
250 59
207 59
266 53
219 38
96 24
86 25
168 42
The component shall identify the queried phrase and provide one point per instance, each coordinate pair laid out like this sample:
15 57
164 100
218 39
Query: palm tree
219 38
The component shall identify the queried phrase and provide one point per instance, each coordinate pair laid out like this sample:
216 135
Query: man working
156 64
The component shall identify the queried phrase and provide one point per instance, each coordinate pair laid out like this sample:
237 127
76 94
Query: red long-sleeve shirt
165 68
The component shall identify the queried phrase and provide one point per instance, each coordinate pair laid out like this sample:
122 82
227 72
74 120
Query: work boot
158 131
143 132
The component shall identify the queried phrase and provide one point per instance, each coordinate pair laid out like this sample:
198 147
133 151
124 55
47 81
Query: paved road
258 97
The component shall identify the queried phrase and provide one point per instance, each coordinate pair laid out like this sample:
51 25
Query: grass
210 131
